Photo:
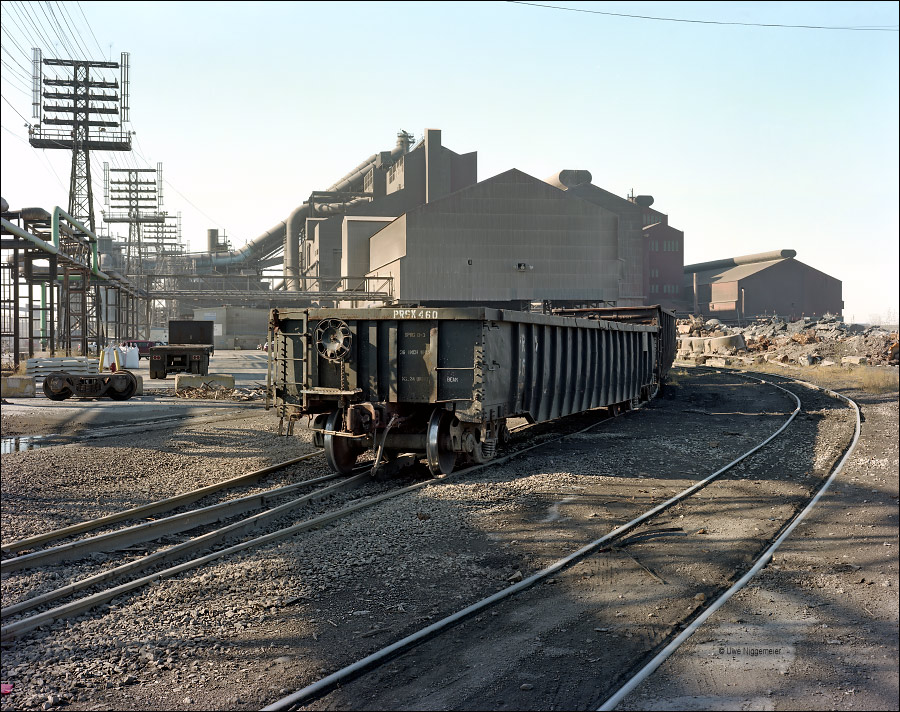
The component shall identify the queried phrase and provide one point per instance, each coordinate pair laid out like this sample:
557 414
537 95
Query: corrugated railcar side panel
546 371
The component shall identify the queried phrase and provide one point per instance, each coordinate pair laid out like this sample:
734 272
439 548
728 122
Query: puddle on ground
20 443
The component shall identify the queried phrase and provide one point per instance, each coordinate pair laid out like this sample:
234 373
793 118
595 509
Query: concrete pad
17 387
188 380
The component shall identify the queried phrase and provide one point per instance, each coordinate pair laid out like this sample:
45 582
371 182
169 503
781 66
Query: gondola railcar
442 382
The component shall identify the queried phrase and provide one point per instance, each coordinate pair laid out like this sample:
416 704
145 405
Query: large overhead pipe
287 233
352 181
297 219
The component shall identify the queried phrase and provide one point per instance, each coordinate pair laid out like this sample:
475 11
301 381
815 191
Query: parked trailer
188 351
443 382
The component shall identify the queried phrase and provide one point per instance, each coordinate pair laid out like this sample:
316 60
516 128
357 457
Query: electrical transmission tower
133 197
163 247
69 124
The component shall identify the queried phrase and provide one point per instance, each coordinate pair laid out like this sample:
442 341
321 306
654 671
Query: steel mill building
767 283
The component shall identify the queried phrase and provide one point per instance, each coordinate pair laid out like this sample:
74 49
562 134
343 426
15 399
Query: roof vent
569 178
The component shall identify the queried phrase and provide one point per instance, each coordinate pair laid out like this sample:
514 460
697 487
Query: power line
15 109
24 30
64 41
17 73
53 24
25 92
15 135
35 25
67 18
867 28
89 28
26 71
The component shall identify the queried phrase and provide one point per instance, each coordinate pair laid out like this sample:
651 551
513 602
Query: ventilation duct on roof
742 260
569 178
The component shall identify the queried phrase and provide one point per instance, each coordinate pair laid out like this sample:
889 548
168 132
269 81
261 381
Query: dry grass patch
870 379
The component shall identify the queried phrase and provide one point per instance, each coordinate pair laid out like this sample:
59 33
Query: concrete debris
209 391
826 341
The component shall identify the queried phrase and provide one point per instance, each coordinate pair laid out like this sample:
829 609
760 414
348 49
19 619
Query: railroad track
248 512
533 432
631 669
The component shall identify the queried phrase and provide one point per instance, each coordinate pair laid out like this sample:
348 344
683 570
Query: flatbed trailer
188 351
179 358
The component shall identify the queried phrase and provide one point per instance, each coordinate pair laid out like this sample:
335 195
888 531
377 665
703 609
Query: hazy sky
750 138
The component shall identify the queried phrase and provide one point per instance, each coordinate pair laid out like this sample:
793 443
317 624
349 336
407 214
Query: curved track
605 543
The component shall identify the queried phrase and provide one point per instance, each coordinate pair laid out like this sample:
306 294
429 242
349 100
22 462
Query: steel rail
75 607
145 510
155 529
205 541
355 669
613 700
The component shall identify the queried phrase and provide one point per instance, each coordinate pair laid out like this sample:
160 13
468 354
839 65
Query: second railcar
442 382
655 315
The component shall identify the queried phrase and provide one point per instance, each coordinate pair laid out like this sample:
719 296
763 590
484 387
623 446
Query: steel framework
134 199
54 298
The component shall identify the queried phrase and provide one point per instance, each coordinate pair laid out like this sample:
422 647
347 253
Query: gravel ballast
249 629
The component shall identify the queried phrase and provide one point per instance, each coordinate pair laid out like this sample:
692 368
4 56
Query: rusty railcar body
653 315
443 382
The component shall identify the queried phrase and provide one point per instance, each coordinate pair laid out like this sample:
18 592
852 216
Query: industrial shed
651 251
506 241
761 284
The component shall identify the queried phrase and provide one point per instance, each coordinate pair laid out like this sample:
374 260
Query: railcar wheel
122 386
56 386
340 452
504 436
438 447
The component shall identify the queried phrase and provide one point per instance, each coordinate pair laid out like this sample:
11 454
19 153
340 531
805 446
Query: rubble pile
209 391
826 341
